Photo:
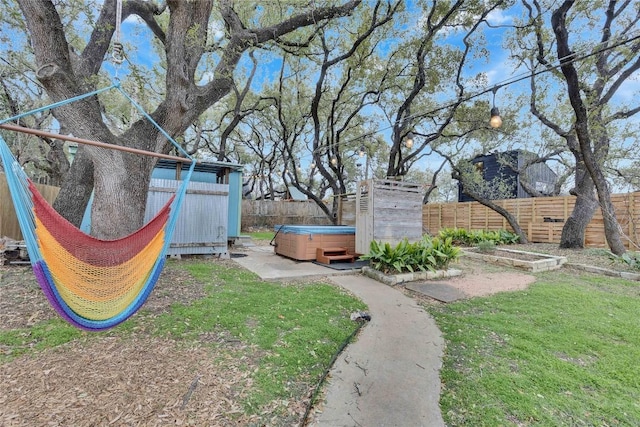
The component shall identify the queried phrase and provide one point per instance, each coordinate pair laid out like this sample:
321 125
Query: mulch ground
104 379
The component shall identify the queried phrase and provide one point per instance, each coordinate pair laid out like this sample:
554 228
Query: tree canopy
319 96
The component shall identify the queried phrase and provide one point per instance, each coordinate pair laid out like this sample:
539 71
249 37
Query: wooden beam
70 138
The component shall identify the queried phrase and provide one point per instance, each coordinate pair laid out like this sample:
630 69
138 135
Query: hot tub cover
315 229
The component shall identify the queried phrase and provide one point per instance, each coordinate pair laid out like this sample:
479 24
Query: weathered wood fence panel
268 213
387 211
542 218
347 210
9 226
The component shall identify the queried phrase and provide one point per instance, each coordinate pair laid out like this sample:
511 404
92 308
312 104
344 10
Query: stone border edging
605 271
545 263
394 279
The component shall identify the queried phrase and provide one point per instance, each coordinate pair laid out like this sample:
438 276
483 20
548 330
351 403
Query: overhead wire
504 83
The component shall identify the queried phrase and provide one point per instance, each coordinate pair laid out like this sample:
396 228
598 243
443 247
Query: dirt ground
106 380
477 282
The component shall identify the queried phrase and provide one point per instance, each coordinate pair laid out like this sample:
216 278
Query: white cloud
498 17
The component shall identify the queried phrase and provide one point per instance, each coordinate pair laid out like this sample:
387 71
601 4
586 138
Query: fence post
504 220
533 210
455 218
631 221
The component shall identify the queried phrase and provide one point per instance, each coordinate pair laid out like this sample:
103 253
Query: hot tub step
326 255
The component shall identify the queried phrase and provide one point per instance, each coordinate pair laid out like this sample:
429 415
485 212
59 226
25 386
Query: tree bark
72 197
586 204
592 160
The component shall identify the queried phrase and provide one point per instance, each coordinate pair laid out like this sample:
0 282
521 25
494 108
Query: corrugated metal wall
202 223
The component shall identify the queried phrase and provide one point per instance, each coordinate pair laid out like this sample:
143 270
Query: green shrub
630 258
459 236
427 254
508 238
463 237
486 246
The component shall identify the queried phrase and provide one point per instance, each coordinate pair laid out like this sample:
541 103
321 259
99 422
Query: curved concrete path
390 375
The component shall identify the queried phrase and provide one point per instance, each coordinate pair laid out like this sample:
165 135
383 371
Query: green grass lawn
566 352
299 327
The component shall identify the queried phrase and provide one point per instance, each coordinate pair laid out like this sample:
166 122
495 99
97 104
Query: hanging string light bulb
334 161
361 151
408 142
495 121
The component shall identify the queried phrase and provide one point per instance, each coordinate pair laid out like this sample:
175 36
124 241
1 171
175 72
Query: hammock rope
93 284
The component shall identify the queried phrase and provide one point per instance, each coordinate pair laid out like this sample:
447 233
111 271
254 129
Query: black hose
275 235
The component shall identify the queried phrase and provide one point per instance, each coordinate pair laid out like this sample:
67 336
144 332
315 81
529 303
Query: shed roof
202 166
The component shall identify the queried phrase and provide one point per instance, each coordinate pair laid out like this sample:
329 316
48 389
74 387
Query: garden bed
529 261
395 279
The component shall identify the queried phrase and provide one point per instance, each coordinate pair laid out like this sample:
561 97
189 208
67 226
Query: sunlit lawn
566 352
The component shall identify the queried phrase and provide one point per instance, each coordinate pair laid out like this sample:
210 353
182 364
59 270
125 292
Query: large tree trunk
121 188
583 210
76 189
592 156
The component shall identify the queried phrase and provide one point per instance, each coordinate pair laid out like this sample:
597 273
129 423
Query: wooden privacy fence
268 213
9 226
542 218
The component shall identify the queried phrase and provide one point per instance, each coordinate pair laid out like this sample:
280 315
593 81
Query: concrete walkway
390 375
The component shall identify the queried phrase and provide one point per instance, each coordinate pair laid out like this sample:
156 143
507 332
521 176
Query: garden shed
387 211
496 167
211 214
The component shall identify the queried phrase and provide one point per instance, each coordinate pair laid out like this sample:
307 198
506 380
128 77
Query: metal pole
93 143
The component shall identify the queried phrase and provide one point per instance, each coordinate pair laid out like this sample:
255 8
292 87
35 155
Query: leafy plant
508 238
428 253
630 258
459 236
385 258
463 237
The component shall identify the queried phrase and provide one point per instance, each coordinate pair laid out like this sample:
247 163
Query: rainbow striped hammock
93 284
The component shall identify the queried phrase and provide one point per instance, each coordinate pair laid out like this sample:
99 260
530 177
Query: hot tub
301 241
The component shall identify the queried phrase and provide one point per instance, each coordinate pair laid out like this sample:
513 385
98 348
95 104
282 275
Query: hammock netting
93 284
